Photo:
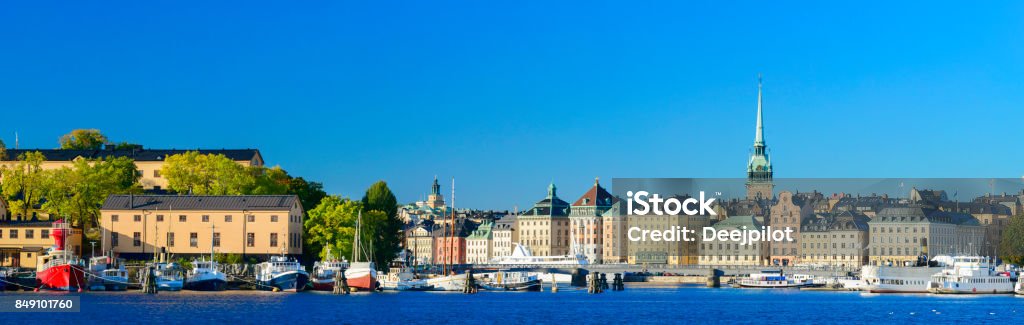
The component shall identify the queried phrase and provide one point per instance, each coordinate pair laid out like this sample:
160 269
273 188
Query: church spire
759 137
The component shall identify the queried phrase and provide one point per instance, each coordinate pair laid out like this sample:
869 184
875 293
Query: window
137 217
170 239
44 234
227 218
159 218
156 173
193 239
182 218
216 239
273 218
206 218
113 239
137 239
14 234
251 218
273 239
113 218
250 239
30 233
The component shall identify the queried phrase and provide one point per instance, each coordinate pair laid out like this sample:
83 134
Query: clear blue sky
508 97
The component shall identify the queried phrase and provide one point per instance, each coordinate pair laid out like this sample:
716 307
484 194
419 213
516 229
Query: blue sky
508 97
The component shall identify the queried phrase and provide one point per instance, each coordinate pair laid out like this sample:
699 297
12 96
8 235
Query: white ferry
521 255
774 279
970 275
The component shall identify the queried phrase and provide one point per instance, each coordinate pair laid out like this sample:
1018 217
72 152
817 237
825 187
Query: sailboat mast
451 243
355 239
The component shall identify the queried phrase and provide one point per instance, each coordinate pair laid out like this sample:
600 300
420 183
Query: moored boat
281 274
168 276
204 276
107 276
970 275
895 279
774 279
325 272
509 281
60 269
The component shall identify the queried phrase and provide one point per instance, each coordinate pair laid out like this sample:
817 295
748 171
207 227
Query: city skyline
507 110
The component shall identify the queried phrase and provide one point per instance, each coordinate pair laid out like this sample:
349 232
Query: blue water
635 305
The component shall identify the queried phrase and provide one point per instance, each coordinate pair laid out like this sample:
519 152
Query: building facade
910 235
730 252
835 240
545 227
21 243
138 226
787 212
421 242
505 236
480 244
585 222
616 244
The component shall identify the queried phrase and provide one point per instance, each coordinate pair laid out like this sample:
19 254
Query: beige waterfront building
505 236
586 222
545 227
421 242
732 253
616 244
787 212
835 239
147 161
903 235
480 244
137 226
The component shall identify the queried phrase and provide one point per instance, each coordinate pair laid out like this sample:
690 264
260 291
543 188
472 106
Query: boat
774 279
204 275
360 276
107 276
521 255
401 278
281 273
324 273
970 275
60 269
901 279
169 276
1019 289
509 281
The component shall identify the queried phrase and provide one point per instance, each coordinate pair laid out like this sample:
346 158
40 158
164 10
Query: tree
269 181
24 183
124 146
77 192
3 150
210 174
386 231
309 193
331 225
1011 248
85 139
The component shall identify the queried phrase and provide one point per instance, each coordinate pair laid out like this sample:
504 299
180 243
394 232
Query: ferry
509 281
521 255
970 275
895 279
281 274
774 279
60 269
204 276
168 276
107 276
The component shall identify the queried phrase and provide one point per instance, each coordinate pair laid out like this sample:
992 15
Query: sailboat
449 280
204 275
360 275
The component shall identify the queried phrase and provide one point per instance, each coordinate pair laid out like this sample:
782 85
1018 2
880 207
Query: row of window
193 239
29 234
206 218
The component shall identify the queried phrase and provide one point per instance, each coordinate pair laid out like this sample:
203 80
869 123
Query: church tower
435 200
759 167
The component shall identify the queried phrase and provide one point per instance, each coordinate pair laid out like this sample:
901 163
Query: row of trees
332 224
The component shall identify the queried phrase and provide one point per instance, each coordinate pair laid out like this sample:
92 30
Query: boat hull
207 285
533 285
66 277
168 285
320 284
361 279
101 283
292 281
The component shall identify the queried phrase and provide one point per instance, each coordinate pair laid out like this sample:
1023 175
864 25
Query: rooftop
200 202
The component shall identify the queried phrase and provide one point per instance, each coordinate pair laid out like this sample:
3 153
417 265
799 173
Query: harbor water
635 305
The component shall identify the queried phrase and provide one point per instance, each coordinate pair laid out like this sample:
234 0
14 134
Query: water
635 305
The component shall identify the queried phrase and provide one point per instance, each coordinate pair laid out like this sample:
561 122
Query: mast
451 243
355 239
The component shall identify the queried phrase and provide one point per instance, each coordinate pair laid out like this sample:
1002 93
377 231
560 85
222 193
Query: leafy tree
386 231
124 146
269 181
209 174
309 193
78 191
1011 248
3 150
87 139
331 225
24 183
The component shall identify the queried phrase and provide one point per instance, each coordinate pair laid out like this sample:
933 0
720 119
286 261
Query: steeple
759 167
759 136
551 190
436 188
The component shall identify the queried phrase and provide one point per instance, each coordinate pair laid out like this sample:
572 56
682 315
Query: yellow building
136 226
22 242
545 227
148 161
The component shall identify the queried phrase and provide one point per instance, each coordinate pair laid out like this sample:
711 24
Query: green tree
77 192
331 225
1011 247
124 146
87 139
386 231
309 193
269 181
210 174
24 183
3 150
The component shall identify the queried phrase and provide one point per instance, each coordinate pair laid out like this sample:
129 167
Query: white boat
107 276
897 279
400 278
281 273
774 279
325 271
168 277
509 281
1020 287
521 255
970 275
454 282
204 276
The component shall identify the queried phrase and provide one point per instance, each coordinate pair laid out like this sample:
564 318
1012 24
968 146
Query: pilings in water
714 279
617 284
594 283
149 280
470 286
340 283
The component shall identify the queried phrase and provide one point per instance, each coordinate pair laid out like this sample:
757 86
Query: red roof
596 196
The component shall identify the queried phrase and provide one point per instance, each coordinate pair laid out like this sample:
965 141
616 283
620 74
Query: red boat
60 269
